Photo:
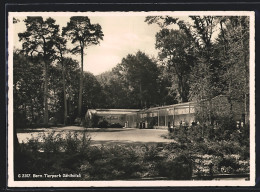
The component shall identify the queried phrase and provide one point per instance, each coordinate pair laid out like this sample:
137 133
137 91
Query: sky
122 35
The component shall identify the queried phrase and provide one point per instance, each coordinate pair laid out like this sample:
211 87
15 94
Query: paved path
107 136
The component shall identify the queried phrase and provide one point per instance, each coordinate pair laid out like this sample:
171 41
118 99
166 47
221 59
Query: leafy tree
206 82
114 91
55 90
200 29
82 33
118 94
167 92
233 50
139 74
60 44
92 92
72 75
27 95
38 41
195 52
221 64
176 52
27 89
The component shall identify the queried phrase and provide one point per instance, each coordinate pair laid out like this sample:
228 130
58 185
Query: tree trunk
246 74
81 84
64 94
229 98
141 97
32 111
181 89
46 113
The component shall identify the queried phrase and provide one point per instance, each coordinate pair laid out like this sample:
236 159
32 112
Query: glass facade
162 117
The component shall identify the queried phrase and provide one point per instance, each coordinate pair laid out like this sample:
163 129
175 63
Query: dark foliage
73 154
103 124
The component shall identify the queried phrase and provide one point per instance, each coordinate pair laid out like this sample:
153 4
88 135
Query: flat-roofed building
170 115
163 116
112 116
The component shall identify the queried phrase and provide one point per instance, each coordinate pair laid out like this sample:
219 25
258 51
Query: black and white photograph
131 99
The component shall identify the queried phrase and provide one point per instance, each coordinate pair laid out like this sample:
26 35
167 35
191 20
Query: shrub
53 121
228 165
115 125
92 122
114 162
52 153
71 152
77 121
218 142
103 124
70 155
177 168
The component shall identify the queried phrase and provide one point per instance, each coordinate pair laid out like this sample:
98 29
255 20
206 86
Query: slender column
165 119
173 116
158 118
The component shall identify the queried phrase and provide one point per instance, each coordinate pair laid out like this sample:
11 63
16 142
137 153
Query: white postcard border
139 183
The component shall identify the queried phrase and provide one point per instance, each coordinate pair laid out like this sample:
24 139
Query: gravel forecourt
105 136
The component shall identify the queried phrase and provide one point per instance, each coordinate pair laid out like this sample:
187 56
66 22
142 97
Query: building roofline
141 110
169 106
127 111
121 110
